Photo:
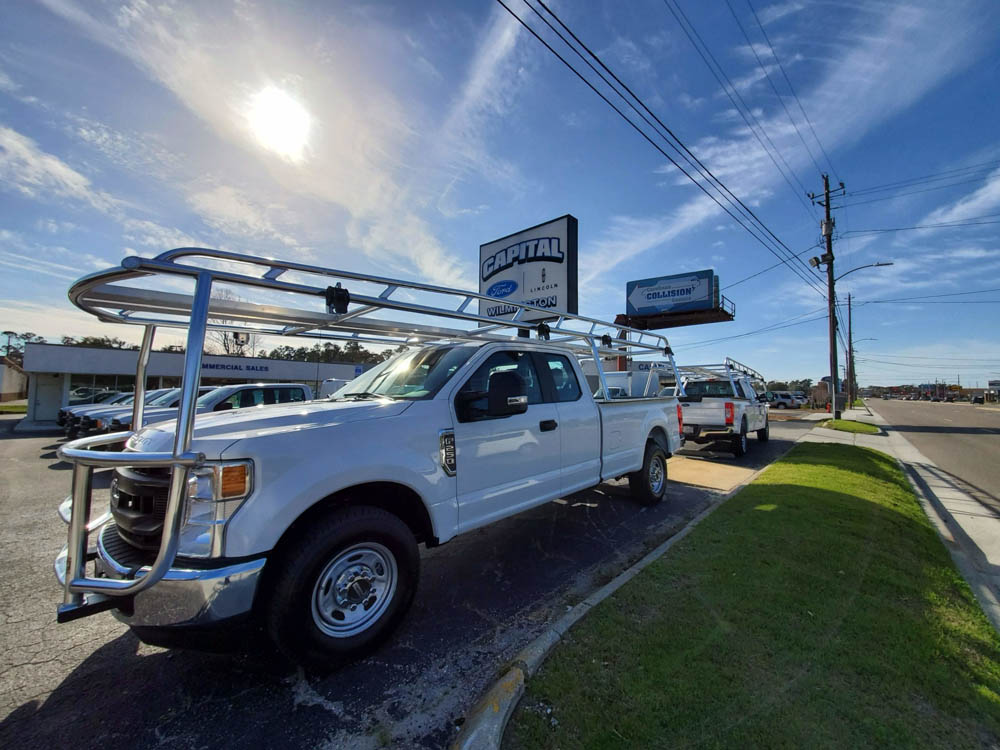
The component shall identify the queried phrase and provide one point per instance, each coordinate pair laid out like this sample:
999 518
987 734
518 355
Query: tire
780 405
740 442
649 484
342 586
763 435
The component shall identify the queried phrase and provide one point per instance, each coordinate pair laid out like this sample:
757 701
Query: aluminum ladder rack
326 308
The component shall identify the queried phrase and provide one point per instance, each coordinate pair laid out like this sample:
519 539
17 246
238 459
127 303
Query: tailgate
704 413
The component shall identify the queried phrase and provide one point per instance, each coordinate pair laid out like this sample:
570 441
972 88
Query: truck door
504 463
579 423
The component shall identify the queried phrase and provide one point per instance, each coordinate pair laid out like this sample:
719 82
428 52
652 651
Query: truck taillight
730 413
680 420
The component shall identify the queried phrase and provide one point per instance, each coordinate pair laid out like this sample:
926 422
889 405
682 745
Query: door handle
547 425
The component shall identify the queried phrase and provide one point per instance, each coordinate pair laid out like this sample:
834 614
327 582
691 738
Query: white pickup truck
308 516
721 402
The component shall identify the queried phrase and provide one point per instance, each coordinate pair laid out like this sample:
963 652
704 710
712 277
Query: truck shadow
481 597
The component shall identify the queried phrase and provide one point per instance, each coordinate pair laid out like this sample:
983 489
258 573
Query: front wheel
649 484
342 586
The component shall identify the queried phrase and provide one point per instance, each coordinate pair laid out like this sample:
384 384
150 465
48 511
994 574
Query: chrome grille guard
330 312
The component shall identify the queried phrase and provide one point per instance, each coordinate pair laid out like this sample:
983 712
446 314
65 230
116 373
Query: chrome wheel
354 590
657 475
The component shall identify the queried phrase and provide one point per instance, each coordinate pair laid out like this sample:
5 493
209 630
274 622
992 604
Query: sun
279 123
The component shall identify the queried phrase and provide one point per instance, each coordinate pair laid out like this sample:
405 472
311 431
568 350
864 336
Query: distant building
55 371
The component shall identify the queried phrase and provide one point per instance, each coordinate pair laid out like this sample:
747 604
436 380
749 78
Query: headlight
214 493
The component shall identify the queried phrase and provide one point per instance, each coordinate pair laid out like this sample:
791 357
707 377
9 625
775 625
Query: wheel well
658 436
393 498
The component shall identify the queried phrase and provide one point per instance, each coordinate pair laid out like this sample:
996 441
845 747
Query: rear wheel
649 484
780 405
763 435
740 442
342 586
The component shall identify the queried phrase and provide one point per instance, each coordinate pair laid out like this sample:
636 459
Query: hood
156 414
215 431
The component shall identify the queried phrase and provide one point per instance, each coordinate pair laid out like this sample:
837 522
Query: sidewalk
969 530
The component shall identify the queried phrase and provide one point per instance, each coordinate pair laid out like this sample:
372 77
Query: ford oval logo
502 289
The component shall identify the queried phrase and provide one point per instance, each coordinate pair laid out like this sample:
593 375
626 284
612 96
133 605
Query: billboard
536 266
695 290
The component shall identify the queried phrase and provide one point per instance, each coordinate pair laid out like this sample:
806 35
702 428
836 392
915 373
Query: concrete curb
485 723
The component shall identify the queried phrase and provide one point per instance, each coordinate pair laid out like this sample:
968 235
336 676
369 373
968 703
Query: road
482 597
961 439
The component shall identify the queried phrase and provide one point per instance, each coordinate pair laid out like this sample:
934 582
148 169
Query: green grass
816 608
859 404
13 408
847 425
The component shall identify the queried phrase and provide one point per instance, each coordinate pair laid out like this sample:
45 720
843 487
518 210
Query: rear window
708 388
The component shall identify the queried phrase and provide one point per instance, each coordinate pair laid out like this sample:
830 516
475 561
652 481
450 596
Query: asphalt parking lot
482 597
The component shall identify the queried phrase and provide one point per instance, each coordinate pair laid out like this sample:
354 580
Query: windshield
164 398
708 388
208 399
411 375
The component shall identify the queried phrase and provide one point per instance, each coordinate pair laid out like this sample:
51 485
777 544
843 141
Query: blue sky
410 133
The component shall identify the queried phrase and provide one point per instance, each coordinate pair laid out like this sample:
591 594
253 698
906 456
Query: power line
678 14
929 296
943 225
773 87
928 177
912 192
693 161
767 329
765 270
949 359
792 89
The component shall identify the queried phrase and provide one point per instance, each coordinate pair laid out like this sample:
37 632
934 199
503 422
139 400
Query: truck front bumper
185 597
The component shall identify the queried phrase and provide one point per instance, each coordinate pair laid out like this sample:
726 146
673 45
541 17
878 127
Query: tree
98 342
176 348
16 342
229 342
777 385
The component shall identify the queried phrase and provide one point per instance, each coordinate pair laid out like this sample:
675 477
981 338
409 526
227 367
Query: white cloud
34 173
7 84
232 212
772 13
980 201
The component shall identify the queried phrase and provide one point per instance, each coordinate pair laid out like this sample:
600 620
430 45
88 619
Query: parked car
781 400
978 400
721 403
331 386
110 398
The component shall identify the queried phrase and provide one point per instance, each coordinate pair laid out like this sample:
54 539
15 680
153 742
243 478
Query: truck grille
139 505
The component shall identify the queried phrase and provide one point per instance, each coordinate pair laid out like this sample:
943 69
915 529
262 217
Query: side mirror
223 406
506 396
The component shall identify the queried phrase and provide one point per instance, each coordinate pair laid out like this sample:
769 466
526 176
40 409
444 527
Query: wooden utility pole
826 227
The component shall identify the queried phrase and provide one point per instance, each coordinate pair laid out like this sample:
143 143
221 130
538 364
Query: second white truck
724 402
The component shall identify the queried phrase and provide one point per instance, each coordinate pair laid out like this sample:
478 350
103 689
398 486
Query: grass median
13 408
817 607
847 425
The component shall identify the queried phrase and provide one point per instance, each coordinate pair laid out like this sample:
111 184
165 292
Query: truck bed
626 422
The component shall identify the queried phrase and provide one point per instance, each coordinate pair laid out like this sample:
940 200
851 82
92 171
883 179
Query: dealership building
54 371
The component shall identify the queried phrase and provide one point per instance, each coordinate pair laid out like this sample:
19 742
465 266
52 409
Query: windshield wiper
357 395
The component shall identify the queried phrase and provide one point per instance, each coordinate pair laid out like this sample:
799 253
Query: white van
331 386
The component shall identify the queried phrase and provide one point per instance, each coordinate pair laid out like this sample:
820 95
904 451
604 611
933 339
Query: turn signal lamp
680 420
235 479
730 413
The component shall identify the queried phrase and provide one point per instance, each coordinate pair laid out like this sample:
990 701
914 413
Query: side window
478 384
235 400
251 397
740 393
269 396
565 385
288 395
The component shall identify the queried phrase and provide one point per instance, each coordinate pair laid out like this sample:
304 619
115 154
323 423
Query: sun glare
279 123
